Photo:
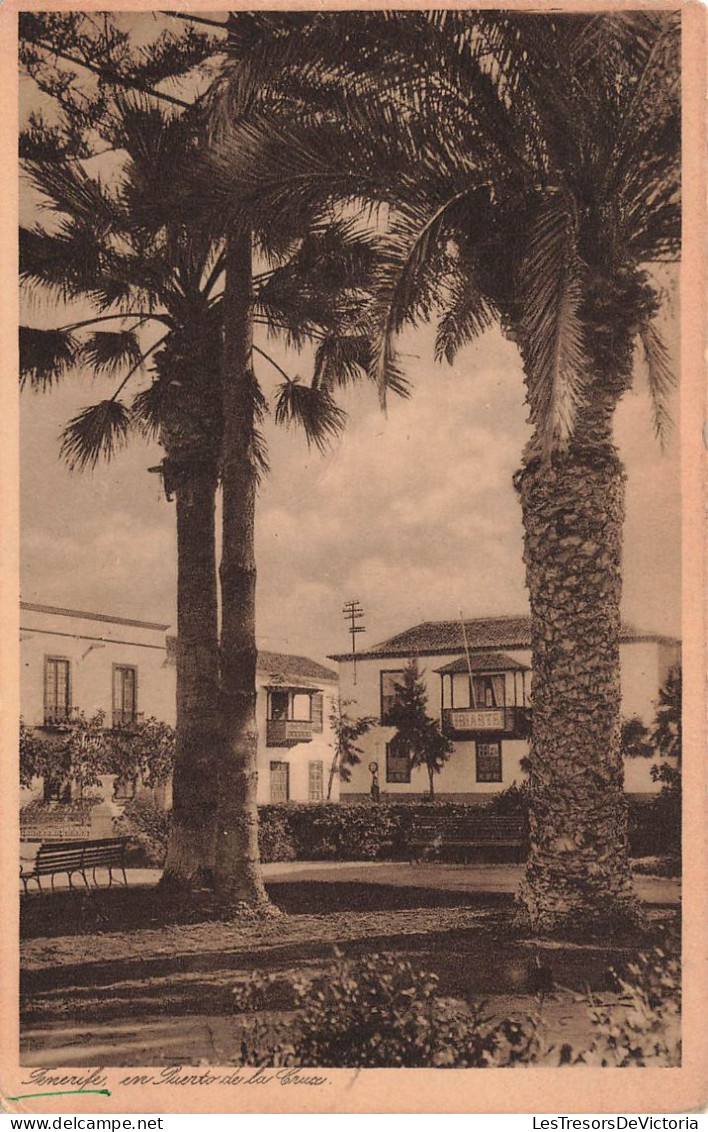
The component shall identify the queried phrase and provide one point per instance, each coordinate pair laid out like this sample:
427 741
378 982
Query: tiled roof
483 662
439 637
280 665
283 664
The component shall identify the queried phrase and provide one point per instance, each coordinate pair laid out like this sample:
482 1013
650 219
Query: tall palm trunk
578 865
237 865
190 853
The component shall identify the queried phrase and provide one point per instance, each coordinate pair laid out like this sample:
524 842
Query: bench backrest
57 856
483 826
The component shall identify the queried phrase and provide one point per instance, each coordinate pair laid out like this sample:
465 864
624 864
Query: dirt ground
109 977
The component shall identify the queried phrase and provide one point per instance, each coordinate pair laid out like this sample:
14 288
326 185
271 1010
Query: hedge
330 831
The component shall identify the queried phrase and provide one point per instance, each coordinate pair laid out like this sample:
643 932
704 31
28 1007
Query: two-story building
71 661
478 681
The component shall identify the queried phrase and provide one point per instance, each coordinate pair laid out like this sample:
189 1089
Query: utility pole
353 612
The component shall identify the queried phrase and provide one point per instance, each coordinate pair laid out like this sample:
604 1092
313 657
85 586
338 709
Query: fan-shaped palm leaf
98 431
45 356
108 351
313 408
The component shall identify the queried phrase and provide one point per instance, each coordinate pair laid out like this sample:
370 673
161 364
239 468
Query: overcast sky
413 513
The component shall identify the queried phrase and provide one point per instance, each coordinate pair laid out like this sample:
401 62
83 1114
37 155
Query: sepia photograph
350 523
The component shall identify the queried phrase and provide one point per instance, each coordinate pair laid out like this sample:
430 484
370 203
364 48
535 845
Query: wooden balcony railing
286 732
514 722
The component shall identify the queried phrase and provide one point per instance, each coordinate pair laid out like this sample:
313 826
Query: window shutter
317 711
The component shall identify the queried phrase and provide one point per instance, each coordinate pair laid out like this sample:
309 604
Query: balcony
287 732
461 723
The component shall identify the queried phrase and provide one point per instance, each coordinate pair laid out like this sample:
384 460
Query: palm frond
341 360
45 356
98 431
344 359
550 294
259 455
68 189
65 263
661 377
151 409
467 313
108 351
313 409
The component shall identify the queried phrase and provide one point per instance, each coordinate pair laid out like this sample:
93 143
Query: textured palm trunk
578 871
190 853
238 872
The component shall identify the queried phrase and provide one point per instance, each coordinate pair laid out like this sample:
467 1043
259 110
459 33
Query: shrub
275 840
148 827
379 1012
655 826
644 1029
512 801
330 831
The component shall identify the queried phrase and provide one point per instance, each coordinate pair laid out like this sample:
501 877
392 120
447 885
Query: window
302 706
125 787
389 694
125 695
295 706
398 761
315 780
279 782
489 762
57 690
488 691
279 703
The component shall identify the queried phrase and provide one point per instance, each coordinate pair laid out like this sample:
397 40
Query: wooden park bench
77 857
478 830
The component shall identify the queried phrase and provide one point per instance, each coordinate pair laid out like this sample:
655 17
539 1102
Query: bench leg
83 873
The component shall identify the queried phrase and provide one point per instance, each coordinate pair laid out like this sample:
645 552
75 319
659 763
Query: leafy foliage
416 731
143 751
635 739
645 1030
381 1012
84 749
148 827
77 754
667 731
346 729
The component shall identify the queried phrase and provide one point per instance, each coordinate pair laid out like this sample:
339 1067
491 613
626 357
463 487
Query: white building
73 661
478 684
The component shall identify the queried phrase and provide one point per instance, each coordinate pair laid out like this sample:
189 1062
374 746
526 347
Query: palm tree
529 166
144 258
